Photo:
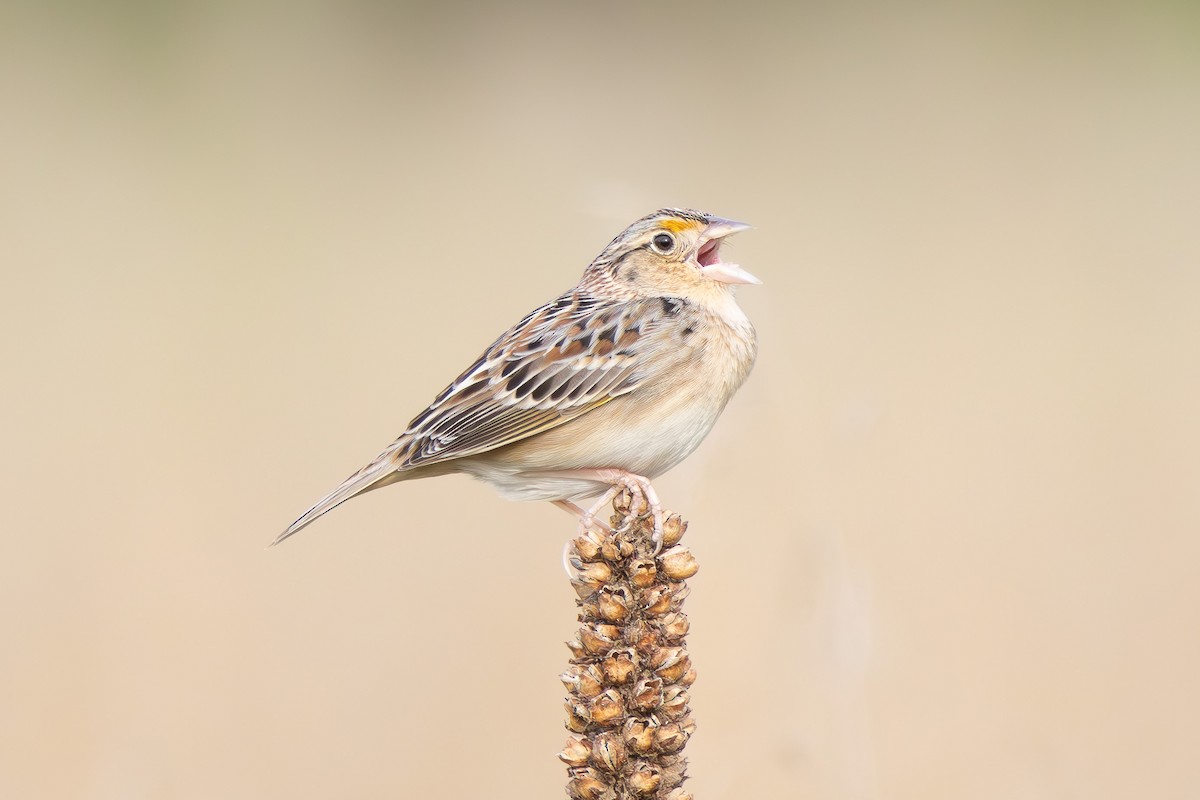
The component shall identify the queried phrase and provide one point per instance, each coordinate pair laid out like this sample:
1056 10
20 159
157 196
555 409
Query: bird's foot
618 480
642 498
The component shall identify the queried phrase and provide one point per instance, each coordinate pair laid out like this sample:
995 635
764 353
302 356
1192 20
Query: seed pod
579 717
644 780
648 694
672 768
642 636
587 548
576 752
607 709
678 563
608 752
674 672
616 549
674 702
587 785
613 604
675 626
576 648
669 738
679 593
599 639
673 529
642 572
594 573
666 657
585 681
655 600
639 735
619 667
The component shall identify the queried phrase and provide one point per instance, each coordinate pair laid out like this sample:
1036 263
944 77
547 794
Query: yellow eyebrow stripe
676 225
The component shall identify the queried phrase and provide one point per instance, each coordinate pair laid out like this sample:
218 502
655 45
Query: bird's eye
663 242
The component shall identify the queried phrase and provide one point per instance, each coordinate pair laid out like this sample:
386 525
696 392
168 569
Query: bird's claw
639 488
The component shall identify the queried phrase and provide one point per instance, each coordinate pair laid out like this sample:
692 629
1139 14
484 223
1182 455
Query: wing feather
563 360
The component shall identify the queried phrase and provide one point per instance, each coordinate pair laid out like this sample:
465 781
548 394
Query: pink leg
580 514
618 479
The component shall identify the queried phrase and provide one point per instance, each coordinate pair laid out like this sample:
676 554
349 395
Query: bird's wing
566 358
561 361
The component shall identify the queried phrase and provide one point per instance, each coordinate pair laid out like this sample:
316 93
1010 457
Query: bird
601 389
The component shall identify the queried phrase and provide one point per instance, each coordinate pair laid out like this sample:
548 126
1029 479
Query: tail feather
379 472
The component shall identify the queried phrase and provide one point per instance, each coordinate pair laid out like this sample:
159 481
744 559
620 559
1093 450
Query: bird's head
672 252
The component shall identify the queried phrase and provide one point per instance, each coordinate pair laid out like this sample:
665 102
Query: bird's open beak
708 256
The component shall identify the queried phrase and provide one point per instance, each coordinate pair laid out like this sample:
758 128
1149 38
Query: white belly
642 438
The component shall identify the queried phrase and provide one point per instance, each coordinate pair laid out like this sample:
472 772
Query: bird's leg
617 479
585 518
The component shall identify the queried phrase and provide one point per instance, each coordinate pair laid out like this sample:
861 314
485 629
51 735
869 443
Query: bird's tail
379 472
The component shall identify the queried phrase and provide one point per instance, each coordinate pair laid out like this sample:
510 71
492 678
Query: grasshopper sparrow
605 387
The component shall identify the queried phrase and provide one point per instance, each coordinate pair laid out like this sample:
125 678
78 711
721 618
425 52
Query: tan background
949 531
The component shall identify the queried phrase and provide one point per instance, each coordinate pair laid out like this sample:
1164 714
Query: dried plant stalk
627 704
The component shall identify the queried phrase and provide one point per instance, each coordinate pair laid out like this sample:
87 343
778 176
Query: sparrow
601 389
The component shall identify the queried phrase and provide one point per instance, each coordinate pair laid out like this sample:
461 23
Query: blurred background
948 531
